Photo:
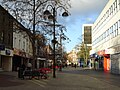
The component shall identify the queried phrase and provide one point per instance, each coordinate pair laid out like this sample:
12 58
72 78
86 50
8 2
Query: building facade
87 33
22 46
72 56
87 40
105 36
6 42
15 43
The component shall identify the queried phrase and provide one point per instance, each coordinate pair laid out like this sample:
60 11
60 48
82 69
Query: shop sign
101 53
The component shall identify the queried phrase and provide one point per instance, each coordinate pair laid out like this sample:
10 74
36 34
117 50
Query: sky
81 12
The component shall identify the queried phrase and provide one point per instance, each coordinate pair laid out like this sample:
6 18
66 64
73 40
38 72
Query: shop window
1 37
116 28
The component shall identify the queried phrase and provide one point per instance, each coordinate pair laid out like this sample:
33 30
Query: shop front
101 59
41 62
106 62
106 58
6 59
19 58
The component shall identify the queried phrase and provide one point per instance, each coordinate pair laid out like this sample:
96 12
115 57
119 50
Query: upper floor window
110 30
9 39
19 44
14 41
119 24
107 33
23 45
107 13
119 4
116 5
1 37
119 27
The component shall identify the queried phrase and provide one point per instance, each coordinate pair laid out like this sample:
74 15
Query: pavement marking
37 83
46 80
42 82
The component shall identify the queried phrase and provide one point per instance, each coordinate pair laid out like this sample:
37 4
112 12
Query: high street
69 79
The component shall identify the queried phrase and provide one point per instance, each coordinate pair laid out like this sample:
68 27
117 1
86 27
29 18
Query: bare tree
23 10
30 14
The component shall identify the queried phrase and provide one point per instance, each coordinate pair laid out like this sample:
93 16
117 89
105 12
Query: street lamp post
33 38
54 38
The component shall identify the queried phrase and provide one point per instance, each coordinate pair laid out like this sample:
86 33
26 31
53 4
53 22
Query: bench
34 73
27 73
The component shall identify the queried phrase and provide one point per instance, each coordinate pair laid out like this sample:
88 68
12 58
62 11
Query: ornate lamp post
34 33
53 17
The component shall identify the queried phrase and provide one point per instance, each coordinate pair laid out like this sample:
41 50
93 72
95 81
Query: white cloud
87 6
86 10
82 12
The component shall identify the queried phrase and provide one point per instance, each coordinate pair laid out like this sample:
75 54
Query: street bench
27 73
36 74
33 74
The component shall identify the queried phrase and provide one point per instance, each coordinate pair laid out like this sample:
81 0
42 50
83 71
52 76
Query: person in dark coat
23 67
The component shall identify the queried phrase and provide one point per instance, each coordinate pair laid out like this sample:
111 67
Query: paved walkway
68 79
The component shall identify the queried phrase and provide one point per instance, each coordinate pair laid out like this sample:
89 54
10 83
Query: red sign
101 53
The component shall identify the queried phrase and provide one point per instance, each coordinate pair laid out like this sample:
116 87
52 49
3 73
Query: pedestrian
66 64
88 62
82 64
60 67
21 70
75 65
96 65
23 66
29 66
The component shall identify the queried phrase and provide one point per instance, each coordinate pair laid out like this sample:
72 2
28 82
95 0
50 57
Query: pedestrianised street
69 78
59 45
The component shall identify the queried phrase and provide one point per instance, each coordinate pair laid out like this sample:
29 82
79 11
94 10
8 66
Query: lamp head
46 12
65 14
51 17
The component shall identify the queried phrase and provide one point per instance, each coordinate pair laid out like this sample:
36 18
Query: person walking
29 66
21 70
75 65
23 67
96 65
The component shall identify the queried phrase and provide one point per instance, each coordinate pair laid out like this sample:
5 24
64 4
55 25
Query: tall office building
87 33
106 36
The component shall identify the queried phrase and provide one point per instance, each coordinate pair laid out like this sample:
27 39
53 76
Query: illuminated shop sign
2 47
7 52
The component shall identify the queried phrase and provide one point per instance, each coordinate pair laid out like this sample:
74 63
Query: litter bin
20 73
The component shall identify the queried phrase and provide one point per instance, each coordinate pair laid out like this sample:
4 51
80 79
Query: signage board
2 47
